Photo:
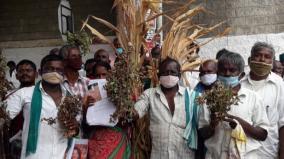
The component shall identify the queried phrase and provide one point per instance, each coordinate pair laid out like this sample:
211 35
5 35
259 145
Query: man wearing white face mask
168 108
41 138
240 133
207 75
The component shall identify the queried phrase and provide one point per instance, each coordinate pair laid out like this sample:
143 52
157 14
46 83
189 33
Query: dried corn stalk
219 100
68 111
181 41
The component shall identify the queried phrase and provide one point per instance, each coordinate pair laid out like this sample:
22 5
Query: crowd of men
179 126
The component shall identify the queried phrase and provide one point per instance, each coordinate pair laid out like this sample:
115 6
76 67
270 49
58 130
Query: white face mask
208 79
169 81
52 77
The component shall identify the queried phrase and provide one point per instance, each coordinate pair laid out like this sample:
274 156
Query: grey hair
64 50
233 58
258 46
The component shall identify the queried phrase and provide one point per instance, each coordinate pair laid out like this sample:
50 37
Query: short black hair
102 64
49 58
26 62
156 50
168 60
54 51
89 61
208 61
11 63
221 52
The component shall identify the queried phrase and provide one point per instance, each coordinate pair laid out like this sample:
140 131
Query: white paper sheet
100 113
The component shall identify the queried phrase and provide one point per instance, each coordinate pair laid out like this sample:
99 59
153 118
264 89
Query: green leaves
81 39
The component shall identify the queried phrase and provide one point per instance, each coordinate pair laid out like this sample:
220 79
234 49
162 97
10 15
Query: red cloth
105 141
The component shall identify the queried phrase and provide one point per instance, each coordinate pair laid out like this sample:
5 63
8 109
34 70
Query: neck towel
192 112
35 114
238 141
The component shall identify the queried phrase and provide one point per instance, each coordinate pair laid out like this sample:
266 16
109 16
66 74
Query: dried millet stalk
68 111
5 86
123 87
219 99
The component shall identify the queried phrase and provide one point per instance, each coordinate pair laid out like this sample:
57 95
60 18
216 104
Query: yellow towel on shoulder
238 142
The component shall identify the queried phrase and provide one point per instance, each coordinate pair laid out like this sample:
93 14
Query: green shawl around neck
35 113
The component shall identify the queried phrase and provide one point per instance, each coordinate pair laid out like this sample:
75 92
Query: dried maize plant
80 39
181 41
68 111
219 100
153 69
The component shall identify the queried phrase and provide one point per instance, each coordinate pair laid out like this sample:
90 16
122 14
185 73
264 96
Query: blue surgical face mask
229 81
119 50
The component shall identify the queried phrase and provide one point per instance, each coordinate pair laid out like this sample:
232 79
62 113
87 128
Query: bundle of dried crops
219 100
123 88
68 111
5 86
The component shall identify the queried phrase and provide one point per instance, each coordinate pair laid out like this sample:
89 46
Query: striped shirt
166 129
80 87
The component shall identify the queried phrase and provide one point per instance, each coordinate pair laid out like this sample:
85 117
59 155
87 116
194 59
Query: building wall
99 8
250 21
28 20
29 28
246 17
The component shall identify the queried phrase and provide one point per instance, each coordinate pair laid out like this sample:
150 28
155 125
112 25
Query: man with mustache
74 83
26 73
270 87
42 138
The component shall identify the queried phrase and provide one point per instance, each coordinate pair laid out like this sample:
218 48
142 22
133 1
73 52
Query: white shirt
192 78
249 108
51 143
272 93
13 78
166 129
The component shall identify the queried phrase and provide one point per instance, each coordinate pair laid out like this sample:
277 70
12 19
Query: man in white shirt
166 106
11 74
248 113
270 88
41 137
